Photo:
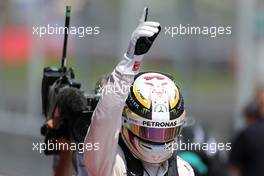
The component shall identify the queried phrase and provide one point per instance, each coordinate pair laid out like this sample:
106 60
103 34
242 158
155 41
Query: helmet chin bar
149 152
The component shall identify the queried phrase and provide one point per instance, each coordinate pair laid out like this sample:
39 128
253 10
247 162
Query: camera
67 109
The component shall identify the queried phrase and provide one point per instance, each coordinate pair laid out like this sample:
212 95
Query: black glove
143 36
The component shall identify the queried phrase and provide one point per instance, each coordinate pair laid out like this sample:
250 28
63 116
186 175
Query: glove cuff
129 66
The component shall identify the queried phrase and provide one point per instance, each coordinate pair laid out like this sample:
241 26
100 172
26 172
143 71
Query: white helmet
153 117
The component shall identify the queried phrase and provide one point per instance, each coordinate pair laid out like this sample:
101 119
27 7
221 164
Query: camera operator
70 103
247 155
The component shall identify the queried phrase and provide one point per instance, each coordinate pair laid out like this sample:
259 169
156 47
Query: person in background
246 157
204 162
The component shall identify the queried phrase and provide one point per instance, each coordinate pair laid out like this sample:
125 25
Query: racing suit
106 124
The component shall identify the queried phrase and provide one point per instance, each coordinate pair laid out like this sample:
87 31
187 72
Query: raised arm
106 120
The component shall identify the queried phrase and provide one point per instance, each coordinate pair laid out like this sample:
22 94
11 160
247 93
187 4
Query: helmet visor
154 134
153 131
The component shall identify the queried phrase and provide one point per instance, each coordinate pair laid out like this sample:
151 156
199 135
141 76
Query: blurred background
217 76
